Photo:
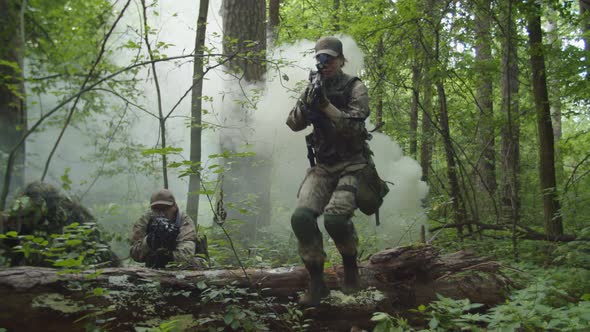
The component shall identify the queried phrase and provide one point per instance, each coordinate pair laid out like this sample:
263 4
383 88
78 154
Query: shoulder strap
179 218
350 80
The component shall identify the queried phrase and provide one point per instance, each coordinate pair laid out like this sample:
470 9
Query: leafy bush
79 246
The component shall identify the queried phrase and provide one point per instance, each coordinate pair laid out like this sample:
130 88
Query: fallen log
36 298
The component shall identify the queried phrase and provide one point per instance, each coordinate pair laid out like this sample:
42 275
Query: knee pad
339 227
303 222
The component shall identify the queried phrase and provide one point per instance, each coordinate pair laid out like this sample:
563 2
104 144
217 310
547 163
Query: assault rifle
315 78
161 238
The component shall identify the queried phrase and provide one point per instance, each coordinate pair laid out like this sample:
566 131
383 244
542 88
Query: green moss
364 297
57 302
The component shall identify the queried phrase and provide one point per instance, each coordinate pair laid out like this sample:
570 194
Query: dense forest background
481 109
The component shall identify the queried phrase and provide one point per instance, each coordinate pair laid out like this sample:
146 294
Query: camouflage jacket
185 242
341 139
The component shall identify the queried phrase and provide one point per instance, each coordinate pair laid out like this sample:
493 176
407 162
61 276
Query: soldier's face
331 67
168 211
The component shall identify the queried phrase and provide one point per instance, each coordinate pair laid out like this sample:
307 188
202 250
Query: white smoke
402 211
267 132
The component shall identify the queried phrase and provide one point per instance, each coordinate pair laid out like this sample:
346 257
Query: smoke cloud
264 128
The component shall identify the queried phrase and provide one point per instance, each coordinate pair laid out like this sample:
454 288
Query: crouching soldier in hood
164 234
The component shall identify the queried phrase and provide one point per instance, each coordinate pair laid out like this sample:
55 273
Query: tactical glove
316 96
316 116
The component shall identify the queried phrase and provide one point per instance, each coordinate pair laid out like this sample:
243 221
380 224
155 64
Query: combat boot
351 282
317 287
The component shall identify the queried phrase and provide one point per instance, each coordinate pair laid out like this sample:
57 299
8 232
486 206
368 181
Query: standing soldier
336 104
164 234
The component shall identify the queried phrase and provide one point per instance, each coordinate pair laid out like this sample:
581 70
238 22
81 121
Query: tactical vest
339 90
331 146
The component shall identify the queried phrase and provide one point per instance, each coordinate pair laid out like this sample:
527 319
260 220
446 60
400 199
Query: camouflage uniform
184 254
337 108
341 150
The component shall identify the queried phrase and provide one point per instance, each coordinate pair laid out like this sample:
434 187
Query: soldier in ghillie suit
164 234
41 209
336 104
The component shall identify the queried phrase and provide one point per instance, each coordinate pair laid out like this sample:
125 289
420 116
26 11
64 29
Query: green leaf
99 291
379 316
228 318
433 324
66 182
73 243
164 151
12 234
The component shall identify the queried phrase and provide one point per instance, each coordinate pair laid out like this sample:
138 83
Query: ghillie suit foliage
42 211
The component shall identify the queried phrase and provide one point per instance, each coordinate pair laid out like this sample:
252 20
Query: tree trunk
13 116
486 138
380 93
585 14
246 181
194 184
555 100
243 22
161 118
427 139
415 102
405 277
552 216
510 130
456 197
274 19
336 14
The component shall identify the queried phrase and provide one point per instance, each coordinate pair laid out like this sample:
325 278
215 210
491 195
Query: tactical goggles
322 60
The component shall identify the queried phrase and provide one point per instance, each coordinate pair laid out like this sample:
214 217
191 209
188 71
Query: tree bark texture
13 119
416 74
244 32
161 118
456 196
336 14
458 203
551 205
585 13
379 92
246 182
510 108
486 137
555 105
427 139
274 19
405 277
194 184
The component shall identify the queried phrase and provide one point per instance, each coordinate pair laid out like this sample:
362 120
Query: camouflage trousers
330 191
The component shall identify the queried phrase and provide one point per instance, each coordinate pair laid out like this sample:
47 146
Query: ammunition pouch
201 247
370 191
